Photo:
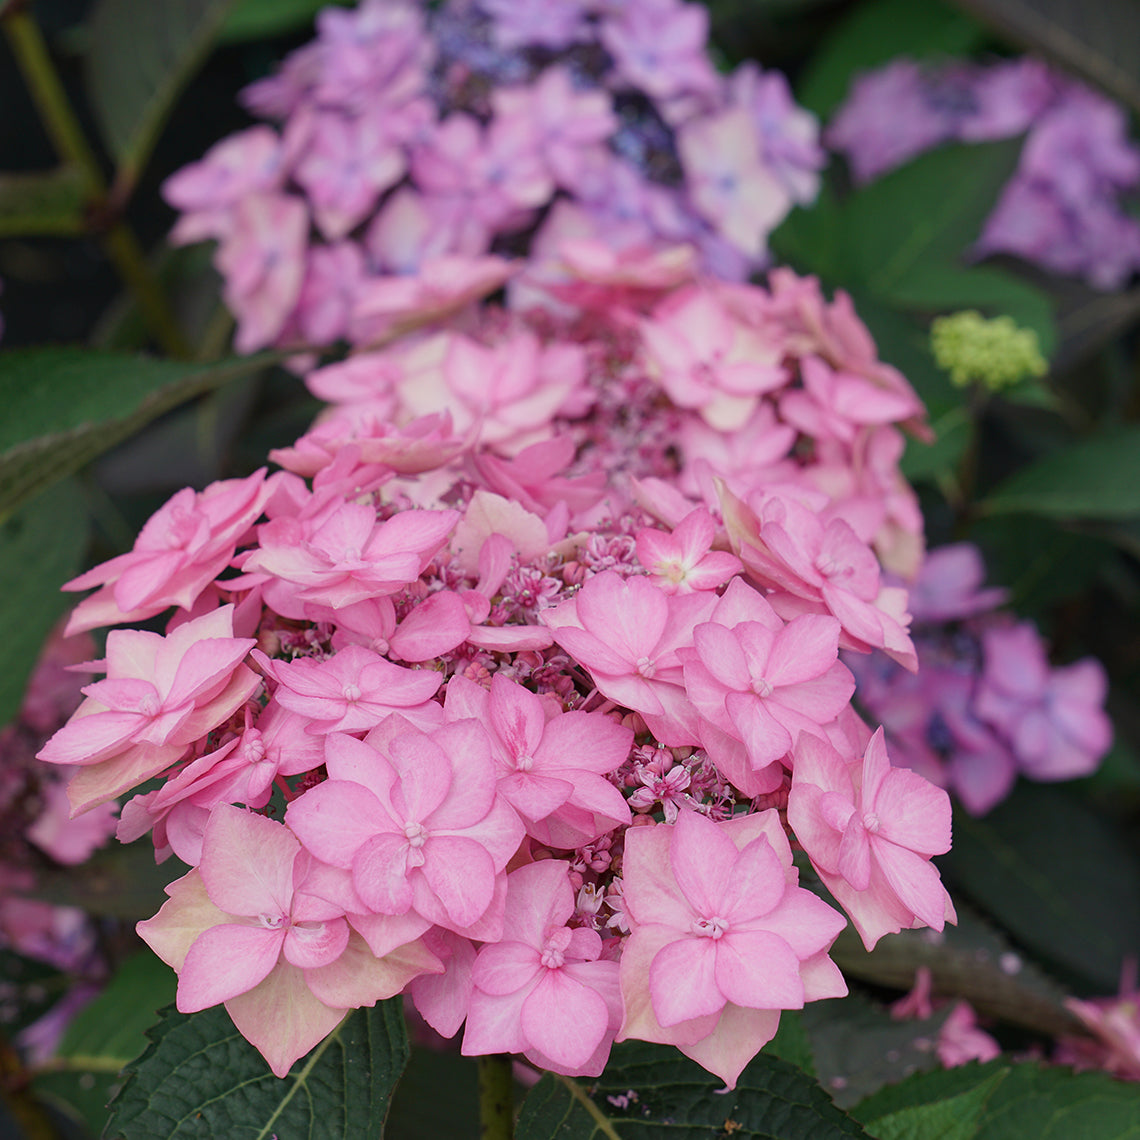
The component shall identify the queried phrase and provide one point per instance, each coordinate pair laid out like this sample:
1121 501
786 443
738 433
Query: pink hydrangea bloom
160 695
870 830
544 988
243 929
550 765
759 683
417 819
180 550
722 938
627 633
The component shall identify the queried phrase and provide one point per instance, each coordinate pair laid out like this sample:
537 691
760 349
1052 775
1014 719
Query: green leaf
948 1118
858 1047
1098 41
48 202
937 287
261 19
418 1110
1062 879
813 239
111 1032
64 406
792 1043
651 1091
1032 1102
929 211
104 1037
1096 478
937 1084
1037 1102
141 54
874 33
41 547
200 1078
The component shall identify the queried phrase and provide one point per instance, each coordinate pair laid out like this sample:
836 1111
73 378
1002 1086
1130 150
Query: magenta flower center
871 822
762 687
554 948
351 693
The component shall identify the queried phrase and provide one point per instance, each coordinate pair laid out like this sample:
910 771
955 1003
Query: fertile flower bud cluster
512 690
985 704
483 128
1061 210
994 353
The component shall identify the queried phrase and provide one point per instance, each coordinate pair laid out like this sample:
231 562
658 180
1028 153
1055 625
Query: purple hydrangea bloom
410 132
1061 209
985 704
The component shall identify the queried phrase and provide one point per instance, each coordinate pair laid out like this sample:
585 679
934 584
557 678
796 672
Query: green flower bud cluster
994 353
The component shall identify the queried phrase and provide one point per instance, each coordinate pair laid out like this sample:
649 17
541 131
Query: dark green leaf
104 1038
937 287
41 547
927 1088
418 1110
929 211
948 1118
141 55
652 1091
1061 878
858 1047
792 1043
1097 478
903 343
1098 41
200 1078
110 1032
260 19
50 202
64 406
874 33
1051 1103
813 239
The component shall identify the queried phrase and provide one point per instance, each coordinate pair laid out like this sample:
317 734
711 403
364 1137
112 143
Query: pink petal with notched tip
336 818
743 981
912 812
505 967
682 981
755 885
914 880
471 786
423 775
225 961
702 859
311 945
564 1019
461 876
722 655
803 650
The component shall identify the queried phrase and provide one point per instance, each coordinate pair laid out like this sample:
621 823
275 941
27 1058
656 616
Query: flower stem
496 1112
64 130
